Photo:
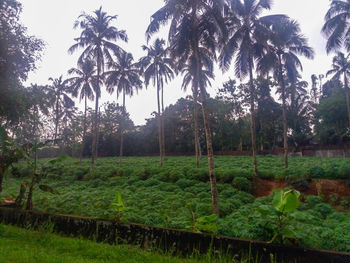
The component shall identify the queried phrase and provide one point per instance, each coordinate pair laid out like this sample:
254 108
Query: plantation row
177 196
175 168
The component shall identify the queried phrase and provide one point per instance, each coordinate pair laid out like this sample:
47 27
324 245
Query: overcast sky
52 21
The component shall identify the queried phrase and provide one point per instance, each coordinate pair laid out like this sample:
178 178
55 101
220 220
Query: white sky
52 21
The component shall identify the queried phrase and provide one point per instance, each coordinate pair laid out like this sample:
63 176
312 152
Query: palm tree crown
98 38
337 26
85 82
123 75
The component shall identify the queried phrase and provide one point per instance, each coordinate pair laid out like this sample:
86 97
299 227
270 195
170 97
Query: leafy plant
207 224
117 206
284 202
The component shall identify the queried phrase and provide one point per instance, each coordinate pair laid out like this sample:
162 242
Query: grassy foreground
19 245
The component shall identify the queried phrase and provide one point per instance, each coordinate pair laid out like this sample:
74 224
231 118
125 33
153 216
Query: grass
28 246
169 196
19 245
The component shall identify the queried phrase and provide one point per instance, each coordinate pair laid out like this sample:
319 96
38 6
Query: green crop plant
117 206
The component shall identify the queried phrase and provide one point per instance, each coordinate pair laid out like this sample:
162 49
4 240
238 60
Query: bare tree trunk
252 117
29 204
162 123
96 122
122 130
347 97
159 126
1 178
56 119
196 132
212 176
84 132
210 153
284 113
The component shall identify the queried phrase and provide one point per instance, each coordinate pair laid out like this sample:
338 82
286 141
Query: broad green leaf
286 201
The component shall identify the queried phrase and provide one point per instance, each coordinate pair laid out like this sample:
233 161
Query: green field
176 194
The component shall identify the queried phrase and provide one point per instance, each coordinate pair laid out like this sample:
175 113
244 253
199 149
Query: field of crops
177 194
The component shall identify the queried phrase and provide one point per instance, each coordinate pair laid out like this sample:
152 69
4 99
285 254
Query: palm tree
125 76
61 99
189 72
97 38
195 28
248 34
285 45
314 93
158 67
341 68
83 85
337 26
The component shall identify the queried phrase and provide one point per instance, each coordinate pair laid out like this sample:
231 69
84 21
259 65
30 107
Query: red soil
325 187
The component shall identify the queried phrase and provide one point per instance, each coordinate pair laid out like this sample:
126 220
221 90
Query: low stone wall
168 240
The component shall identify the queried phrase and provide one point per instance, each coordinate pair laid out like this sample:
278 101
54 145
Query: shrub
184 183
242 183
345 202
333 199
317 172
344 172
151 182
323 209
80 173
301 184
313 200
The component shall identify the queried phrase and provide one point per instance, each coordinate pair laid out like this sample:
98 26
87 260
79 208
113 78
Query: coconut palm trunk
210 152
159 119
252 117
56 117
212 176
162 122
196 131
122 130
284 113
84 132
347 95
96 124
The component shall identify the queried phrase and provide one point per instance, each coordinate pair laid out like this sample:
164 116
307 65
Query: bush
242 183
80 173
302 184
317 172
313 200
344 203
323 209
184 183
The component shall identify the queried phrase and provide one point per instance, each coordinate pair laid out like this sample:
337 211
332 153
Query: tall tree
158 67
248 34
61 100
19 53
341 68
337 25
83 84
98 39
195 28
125 76
286 43
314 90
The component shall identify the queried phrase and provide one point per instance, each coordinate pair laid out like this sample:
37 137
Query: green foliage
242 183
117 206
286 201
207 224
150 195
